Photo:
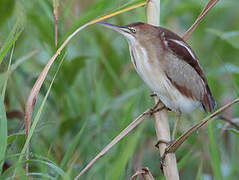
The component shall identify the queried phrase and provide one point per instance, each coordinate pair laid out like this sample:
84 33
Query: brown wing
184 70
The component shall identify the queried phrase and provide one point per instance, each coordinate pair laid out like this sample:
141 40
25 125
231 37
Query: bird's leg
175 128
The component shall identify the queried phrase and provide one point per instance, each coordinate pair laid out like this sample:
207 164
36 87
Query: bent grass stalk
38 84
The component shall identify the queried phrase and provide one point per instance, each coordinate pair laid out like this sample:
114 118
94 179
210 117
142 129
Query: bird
171 69
168 65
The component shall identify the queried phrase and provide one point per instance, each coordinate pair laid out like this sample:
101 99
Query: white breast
154 77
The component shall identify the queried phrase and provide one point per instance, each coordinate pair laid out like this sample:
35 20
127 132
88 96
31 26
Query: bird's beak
124 30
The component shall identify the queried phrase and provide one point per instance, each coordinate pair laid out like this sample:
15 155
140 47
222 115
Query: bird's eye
133 30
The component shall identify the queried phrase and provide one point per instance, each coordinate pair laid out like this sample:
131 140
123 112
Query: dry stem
229 121
163 133
31 99
174 146
171 149
55 14
161 123
145 172
207 8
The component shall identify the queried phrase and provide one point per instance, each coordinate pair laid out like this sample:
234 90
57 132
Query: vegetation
92 91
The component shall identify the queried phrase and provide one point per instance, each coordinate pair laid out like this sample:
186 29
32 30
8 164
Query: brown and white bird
168 66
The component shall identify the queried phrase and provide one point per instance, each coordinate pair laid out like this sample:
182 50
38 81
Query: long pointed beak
120 29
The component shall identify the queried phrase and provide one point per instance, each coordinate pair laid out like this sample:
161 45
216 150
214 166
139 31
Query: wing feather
184 71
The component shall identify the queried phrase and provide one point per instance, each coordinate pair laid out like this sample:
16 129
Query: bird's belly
155 78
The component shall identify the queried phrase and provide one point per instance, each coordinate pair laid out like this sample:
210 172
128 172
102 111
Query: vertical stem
161 118
153 12
55 14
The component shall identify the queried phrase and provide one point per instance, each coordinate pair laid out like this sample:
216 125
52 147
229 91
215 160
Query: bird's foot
169 109
153 94
161 141
156 109
157 104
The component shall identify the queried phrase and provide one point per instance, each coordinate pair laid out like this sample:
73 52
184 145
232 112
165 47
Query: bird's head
133 32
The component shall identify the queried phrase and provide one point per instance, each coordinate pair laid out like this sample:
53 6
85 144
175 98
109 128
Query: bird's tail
208 100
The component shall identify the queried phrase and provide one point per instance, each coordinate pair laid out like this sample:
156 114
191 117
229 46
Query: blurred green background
97 93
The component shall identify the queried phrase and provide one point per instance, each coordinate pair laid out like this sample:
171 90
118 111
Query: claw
168 109
153 94
153 110
162 141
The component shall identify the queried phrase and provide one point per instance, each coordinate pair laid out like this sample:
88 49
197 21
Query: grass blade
215 156
127 7
8 73
11 40
37 86
73 146
52 165
36 119
3 133
207 8
129 146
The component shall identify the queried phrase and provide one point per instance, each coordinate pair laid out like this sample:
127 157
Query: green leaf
50 164
103 6
73 146
129 145
3 77
186 158
8 74
214 154
228 68
13 137
37 117
6 9
232 37
13 36
3 133
234 131
72 67
199 173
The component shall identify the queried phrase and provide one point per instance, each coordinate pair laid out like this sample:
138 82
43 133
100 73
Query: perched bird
168 65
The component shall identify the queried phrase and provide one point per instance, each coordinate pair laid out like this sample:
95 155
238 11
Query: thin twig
147 175
55 14
225 127
122 134
229 121
174 146
145 172
31 99
207 8
37 86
